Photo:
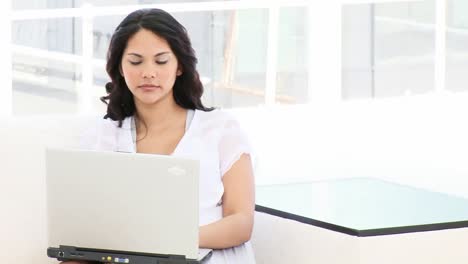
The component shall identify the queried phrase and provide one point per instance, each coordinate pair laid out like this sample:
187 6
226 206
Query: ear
179 72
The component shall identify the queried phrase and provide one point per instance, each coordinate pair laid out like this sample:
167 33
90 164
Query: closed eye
135 62
161 62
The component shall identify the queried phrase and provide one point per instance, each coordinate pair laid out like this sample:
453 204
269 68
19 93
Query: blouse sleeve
233 143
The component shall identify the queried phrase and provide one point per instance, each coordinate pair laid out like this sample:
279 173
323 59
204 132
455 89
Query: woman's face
149 68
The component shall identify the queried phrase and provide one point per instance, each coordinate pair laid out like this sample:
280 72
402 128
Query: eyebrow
140 56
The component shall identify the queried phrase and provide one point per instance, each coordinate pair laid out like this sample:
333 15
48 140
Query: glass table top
364 206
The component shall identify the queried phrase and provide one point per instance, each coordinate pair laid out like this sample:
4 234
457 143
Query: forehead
145 41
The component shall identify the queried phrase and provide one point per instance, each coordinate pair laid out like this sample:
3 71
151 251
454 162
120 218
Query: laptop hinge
64 253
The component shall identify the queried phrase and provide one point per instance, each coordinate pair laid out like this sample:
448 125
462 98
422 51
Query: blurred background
291 71
388 49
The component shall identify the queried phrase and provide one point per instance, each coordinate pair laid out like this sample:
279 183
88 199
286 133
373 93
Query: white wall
22 183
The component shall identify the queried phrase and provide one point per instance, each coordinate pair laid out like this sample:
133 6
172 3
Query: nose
149 72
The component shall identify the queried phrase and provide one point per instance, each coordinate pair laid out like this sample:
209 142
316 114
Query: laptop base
68 253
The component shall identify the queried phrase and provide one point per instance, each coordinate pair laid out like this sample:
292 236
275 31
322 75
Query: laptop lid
122 201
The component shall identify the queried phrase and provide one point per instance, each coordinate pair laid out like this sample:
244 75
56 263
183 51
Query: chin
151 100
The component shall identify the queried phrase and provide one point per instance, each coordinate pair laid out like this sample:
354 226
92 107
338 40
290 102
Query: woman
154 106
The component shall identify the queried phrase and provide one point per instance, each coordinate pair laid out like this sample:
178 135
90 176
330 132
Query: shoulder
109 124
216 119
220 126
100 131
100 124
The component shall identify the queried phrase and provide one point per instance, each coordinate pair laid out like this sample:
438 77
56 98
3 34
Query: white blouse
215 139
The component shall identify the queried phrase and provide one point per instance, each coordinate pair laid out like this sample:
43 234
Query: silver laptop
122 207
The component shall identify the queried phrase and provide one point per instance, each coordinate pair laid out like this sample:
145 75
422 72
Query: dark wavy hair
187 90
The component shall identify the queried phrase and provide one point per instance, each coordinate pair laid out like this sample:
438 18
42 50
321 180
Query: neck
157 115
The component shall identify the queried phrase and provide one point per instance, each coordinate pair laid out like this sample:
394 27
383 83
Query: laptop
122 207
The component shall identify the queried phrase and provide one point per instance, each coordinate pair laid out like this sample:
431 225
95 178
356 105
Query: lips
149 87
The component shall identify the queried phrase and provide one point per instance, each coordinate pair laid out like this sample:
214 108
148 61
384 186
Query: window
457 45
46 73
59 52
250 52
388 49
